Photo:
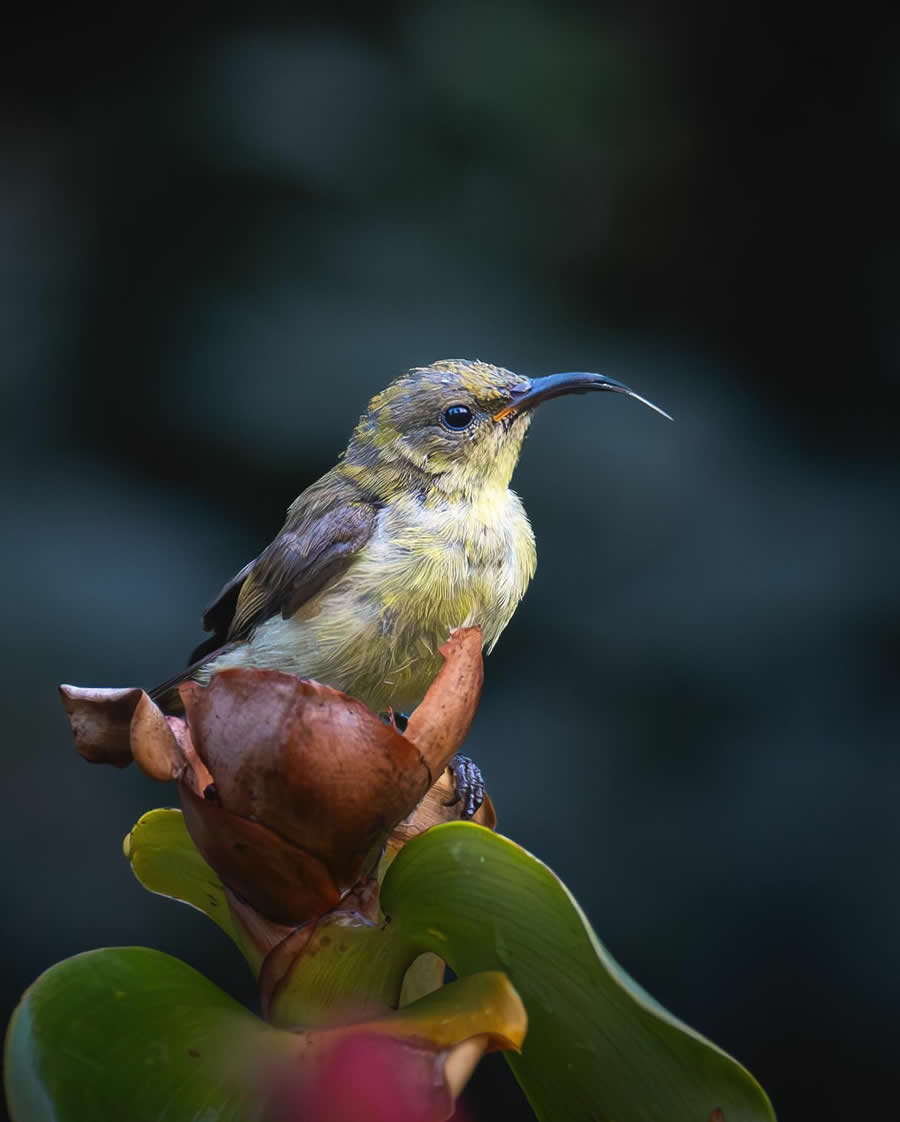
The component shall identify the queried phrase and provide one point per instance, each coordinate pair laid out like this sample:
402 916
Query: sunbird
413 533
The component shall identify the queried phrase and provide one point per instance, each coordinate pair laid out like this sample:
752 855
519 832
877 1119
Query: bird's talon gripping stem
468 785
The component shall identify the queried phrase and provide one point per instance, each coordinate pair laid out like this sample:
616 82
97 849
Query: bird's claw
468 785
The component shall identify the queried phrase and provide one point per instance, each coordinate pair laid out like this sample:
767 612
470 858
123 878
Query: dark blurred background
222 233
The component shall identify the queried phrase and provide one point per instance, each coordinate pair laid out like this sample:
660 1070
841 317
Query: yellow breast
427 569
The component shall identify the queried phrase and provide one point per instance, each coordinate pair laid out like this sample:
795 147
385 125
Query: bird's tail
166 694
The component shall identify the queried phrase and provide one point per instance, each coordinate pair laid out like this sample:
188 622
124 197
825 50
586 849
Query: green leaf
166 861
133 1035
343 967
130 1033
598 1048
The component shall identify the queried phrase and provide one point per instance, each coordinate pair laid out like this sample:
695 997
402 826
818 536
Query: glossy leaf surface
129 1033
598 1049
166 861
135 1035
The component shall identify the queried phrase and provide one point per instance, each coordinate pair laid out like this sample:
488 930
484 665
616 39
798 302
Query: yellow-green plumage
414 533
427 569
446 544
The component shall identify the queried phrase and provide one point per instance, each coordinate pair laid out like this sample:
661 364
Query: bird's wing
314 548
299 563
326 528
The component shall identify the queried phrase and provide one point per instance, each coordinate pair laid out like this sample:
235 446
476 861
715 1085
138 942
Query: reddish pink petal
366 1079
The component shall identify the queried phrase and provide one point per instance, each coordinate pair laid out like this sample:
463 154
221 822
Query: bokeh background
223 232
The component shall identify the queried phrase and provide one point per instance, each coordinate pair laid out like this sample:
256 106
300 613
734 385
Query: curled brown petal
290 788
116 726
279 880
100 720
193 771
317 767
437 807
153 742
440 724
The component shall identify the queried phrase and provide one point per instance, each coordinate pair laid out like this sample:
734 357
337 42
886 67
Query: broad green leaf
343 963
166 861
362 965
598 1049
133 1035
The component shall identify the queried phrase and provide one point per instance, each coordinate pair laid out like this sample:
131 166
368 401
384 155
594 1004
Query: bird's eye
457 417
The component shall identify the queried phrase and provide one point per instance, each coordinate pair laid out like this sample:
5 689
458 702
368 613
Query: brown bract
290 789
317 767
439 806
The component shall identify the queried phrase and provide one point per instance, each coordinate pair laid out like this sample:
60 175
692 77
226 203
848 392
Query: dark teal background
224 230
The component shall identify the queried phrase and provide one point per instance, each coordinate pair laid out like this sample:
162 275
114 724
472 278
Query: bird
414 533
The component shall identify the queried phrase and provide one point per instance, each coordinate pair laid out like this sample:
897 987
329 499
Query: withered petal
436 807
153 743
193 771
279 880
304 784
440 724
116 726
100 720
316 766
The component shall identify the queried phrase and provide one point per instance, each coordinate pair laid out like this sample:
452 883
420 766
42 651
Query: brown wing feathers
316 545
299 563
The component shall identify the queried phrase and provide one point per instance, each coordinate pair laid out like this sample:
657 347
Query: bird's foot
468 785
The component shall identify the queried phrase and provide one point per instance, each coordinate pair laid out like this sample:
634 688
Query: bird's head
457 425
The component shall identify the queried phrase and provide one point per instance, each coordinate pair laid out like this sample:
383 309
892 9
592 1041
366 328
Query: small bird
415 532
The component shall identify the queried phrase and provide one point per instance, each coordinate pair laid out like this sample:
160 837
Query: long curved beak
578 381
